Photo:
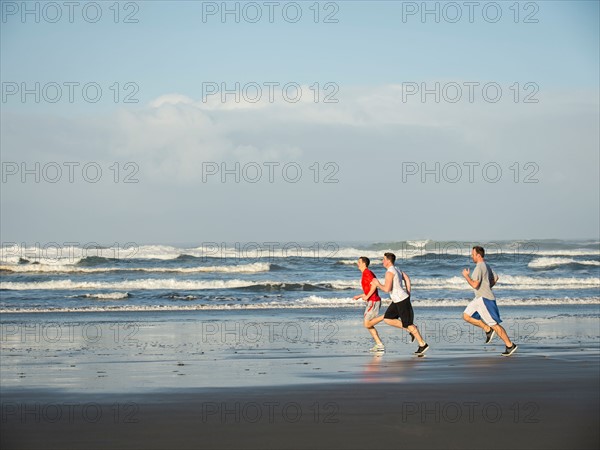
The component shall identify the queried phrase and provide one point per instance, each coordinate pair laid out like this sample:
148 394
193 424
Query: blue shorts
484 309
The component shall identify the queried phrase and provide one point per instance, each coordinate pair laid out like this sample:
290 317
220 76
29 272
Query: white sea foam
546 262
128 285
577 252
106 296
63 268
512 282
66 255
507 282
418 244
341 284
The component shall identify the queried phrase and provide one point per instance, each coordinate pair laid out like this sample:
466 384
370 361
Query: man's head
363 263
477 253
388 260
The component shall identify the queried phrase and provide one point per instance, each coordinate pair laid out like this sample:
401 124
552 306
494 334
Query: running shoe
509 350
378 348
422 349
489 336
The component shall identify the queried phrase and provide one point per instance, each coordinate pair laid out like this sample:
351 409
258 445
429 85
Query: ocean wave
507 282
182 297
347 262
547 262
512 282
287 286
87 255
49 268
90 261
127 285
349 255
105 296
418 244
305 303
175 285
96 255
578 252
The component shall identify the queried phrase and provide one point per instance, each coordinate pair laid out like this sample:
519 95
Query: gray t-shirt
484 273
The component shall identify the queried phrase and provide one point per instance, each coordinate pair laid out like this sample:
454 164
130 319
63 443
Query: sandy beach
270 381
521 403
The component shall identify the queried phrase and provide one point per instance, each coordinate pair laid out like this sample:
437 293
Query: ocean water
220 276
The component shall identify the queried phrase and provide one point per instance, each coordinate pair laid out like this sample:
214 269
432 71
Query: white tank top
398 293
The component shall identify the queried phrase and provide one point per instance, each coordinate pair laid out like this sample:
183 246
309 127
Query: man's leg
477 306
415 331
499 329
477 323
370 325
373 322
374 333
411 329
501 332
407 317
394 322
370 321
391 316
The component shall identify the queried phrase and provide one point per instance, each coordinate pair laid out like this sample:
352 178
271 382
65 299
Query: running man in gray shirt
483 311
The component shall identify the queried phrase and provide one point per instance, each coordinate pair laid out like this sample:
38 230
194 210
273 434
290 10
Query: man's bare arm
494 280
387 287
371 291
406 282
473 283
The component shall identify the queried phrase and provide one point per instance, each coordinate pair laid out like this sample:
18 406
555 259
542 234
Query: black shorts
402 310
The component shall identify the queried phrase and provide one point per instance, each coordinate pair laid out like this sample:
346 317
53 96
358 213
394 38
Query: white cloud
368 134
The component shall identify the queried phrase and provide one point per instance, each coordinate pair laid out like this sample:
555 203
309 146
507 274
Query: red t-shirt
367 276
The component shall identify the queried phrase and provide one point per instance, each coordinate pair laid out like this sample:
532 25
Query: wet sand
295 382
486 403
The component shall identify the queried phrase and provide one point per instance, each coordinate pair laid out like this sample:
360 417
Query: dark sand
210 381
489 402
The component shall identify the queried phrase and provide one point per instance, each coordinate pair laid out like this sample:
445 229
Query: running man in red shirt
371 296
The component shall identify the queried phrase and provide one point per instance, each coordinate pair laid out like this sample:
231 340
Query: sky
156 122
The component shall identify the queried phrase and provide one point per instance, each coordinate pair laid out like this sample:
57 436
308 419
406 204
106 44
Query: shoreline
346 308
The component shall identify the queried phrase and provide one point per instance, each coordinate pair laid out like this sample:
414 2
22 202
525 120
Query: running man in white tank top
400 312
398 293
